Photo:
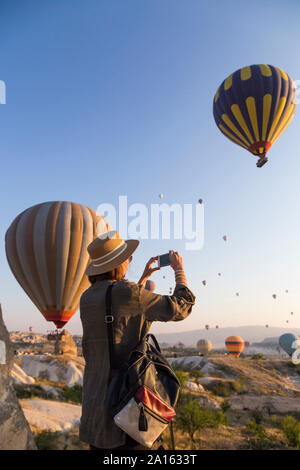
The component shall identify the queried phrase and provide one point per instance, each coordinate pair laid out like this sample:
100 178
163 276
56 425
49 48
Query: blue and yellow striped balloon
235 345
254 106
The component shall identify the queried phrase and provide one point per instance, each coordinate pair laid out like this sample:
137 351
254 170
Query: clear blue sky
114 97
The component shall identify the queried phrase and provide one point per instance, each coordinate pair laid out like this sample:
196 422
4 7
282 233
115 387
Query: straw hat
108 251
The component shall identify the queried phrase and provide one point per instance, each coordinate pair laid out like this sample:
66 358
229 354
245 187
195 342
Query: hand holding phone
163 260
172 259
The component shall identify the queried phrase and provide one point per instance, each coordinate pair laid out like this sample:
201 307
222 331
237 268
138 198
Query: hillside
253 334
240 403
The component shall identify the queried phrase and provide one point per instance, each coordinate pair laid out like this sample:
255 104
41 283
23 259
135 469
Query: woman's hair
116 274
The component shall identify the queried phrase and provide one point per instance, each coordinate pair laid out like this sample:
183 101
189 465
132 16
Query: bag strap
109 318
150 335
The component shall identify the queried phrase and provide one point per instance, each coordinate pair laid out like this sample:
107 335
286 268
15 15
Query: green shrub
196 374
255 429
73 394
258 440
46 440
257 415
239 386
28 391
181 376
191 418
225 406
291 428
257 356
222 389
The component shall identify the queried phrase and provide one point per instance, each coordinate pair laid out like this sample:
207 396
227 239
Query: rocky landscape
244 399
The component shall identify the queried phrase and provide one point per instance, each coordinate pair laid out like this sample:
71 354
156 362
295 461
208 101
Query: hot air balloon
160 196
46 249
292 313
31 329
150 285
247 344
274 296
204 283
237 294
204 346
267 326
287 291
287 321
219 274
207 327
200 201
225 238
235 345
253 106
286 341
217 326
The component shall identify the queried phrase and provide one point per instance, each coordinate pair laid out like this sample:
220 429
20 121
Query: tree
191 418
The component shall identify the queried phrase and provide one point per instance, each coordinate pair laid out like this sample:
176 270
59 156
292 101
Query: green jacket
134 309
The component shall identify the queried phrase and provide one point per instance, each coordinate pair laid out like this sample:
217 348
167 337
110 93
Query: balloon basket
261 162
54 335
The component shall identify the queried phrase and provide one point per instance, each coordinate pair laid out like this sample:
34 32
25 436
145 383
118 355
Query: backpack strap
150 335
109 318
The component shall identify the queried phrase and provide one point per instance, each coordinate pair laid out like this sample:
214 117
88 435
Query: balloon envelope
46 248
204 346
235 345
254 105
286 341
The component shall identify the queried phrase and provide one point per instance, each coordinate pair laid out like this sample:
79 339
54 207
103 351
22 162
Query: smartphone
164 260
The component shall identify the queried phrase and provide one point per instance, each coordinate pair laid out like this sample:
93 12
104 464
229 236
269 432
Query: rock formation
15 433
64 344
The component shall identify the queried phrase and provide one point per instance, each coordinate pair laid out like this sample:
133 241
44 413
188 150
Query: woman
134 309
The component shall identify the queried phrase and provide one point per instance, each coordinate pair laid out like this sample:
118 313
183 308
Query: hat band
110 259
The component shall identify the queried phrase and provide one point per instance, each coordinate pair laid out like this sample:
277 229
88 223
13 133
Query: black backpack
141 396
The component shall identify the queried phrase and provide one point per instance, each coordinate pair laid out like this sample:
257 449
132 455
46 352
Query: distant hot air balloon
287 321
200 201
46 248
287 291
247 344
160 196
267 326
274 296
219 274
286 341
237 294
254 106
204 346
31 329
204 283
225 238
164 277
150 285
217 326
292 313
235 345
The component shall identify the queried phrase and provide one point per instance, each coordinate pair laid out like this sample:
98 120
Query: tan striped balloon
46 248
